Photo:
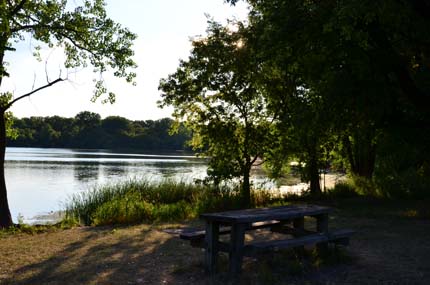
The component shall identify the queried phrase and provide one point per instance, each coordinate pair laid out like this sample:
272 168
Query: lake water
40 180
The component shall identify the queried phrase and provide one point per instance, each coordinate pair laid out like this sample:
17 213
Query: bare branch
34 81
32 92
46 70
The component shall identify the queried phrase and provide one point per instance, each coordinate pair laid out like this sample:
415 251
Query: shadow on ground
386 250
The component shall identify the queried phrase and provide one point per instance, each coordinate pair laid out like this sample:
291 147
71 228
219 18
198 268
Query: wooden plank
211 253
299 225
338 236
237 240
264 214
259 247
264 224
196 234
322 227
322 223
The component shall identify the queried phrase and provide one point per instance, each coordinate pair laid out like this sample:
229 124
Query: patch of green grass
21 227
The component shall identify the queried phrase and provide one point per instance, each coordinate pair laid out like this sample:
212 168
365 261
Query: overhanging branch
49 84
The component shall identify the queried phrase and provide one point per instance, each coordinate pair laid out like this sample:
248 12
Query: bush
343 190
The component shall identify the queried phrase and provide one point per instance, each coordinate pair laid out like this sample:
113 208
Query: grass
22 228
137 201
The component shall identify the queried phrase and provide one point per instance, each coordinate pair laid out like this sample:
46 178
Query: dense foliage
216 91
367 62
337 81
88 130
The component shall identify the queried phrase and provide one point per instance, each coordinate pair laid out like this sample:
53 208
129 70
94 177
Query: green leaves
5 98
217 92
86 34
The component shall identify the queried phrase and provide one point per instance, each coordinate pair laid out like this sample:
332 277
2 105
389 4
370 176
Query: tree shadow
145 257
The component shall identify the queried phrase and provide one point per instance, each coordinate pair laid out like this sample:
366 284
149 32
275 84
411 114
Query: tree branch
32 92
255 159
17 7
57 28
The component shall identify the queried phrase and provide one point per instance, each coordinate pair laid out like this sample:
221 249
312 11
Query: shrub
343 190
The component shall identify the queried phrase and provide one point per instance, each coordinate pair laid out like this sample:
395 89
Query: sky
164 28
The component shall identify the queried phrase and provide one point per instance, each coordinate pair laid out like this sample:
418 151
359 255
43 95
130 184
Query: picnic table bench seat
302 237
197 236
337 237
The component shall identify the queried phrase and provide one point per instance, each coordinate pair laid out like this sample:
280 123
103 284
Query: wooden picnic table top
264 214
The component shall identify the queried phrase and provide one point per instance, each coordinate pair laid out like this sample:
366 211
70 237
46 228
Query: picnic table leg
322 227
237 240
211 244
299 223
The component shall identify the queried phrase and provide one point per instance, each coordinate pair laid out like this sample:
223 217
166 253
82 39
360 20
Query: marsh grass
137 201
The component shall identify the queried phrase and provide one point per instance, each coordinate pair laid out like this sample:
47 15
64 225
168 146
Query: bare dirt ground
392 246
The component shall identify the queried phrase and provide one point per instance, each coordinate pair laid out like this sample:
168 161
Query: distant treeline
88 130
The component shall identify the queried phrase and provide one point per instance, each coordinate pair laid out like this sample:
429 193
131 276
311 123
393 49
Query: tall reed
142 200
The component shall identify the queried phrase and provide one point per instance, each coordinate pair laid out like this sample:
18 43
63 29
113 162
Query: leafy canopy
86 34
216 91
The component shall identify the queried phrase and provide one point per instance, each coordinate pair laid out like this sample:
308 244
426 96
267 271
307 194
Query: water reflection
38 179
86 172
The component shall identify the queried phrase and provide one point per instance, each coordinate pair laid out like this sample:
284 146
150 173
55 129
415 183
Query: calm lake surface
40 180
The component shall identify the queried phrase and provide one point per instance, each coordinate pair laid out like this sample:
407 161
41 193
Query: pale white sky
163 28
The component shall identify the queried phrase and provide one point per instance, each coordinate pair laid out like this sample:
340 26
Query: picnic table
284 219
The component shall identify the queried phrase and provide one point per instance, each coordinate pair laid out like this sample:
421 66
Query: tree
368 59
87 120
90 134
216 92
118 132
87 36
116 125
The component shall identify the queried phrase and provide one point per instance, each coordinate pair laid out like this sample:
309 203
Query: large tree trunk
361 155
313 173
246 187
5 217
